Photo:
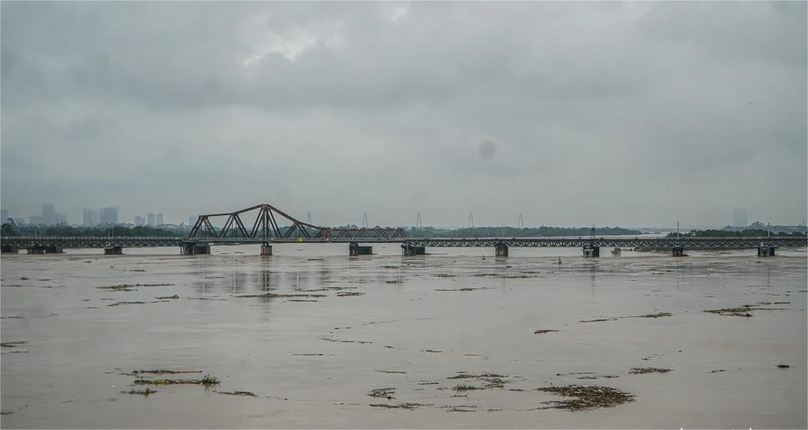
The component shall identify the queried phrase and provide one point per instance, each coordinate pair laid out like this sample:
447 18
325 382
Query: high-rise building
36 220
739 218
60 218
159 219
108 215
19 221
90 217
49 213
150 220
191 221
4 215
139 220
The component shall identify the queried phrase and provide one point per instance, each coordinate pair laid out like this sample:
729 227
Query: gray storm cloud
569 113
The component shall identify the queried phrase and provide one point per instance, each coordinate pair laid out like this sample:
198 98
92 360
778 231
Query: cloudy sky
630 114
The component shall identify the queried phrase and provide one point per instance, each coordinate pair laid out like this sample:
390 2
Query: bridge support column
266 249
591 251
9 249
765 251
678 251
409 251
113 250
501 250
354 249
194 248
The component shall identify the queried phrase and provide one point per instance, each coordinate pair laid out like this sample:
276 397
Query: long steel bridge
272 226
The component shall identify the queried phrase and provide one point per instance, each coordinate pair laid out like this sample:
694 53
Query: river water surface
313 338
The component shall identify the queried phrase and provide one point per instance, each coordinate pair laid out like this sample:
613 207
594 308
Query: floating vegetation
743 311
386 393
464 387
544 331
349 294
464 375
206 380
273 295
598 376
126 303
460 289
209 380
12 344
145 392
407 406
587 397
644 370
163 372
237 393
656 315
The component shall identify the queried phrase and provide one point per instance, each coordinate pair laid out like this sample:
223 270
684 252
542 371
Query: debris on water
644 370
587 397
783 366
407 406
145 392
395 281
126 303
743 311
460 289
163 372
386 393
431 350
443 275
236 393
167 297
464 375
206 380
598 376
12 344
273 295
544 331
599 320
349 294
23 278
393 371
656 315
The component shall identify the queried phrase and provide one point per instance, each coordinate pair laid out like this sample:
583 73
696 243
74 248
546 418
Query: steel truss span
605 242
272 224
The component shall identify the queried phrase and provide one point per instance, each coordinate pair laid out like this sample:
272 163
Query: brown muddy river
310 338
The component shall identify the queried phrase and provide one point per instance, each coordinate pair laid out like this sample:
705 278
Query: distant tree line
754 232
63 230
471 232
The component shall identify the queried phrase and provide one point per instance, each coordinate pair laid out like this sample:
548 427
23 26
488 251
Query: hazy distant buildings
159 219
108 215
139 220
739 218
90 217
191 220
36 220
59 218
150 219
4 215
48 213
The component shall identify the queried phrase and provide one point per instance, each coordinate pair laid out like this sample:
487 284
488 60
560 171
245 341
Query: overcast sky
630 114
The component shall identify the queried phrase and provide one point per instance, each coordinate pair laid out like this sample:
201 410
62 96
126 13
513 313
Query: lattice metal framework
264 227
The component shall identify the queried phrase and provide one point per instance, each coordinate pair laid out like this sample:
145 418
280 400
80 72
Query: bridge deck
621 242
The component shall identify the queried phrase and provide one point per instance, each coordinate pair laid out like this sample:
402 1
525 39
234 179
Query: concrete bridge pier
409 250
266 248
113 250
678 251
354 249
45 249
591 251
195 248
501 250
765 251
9 249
